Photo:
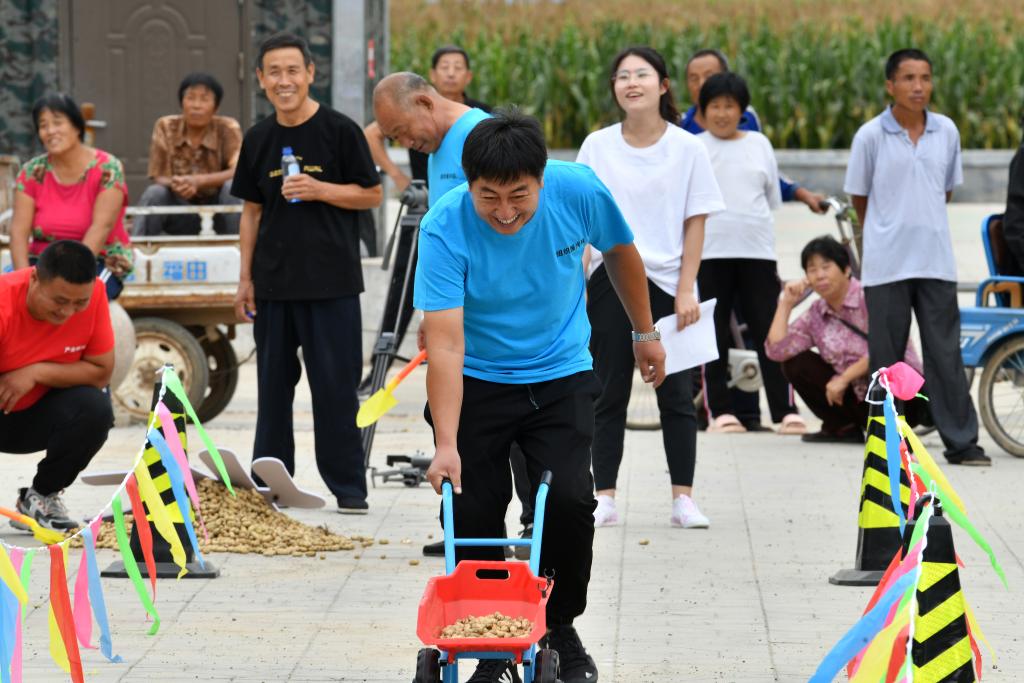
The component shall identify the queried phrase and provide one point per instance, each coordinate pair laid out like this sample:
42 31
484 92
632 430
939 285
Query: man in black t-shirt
450 74
301 276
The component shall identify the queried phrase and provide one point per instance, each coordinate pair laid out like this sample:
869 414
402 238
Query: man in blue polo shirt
501 282
411 111
904 164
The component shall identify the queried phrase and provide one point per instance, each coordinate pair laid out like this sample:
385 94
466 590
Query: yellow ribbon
161 520
10 577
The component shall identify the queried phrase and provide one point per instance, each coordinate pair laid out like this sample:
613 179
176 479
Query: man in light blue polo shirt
500 278
408 109
904 164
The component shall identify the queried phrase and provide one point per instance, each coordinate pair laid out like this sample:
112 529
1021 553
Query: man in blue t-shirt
411 111
500 279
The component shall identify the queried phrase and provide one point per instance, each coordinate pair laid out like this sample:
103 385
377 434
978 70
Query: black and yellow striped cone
941 651
165 566
878 527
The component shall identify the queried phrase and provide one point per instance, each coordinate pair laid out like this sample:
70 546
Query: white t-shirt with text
656 188
748 174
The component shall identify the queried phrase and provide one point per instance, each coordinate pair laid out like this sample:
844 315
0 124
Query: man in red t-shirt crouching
56 355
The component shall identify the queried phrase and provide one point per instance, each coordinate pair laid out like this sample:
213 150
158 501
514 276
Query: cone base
164 570
856 577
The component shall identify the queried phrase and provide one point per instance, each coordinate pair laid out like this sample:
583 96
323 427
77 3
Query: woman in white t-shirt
738 267
661 178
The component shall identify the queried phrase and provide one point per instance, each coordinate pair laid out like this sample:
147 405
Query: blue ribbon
178 487
863 632
892 457
9 607
99 605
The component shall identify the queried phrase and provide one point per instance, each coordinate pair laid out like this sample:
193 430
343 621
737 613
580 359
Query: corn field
813 82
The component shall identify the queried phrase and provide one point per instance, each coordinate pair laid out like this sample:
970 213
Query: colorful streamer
892 457
172 382
9 576
22 561
99 604
60 611
9 614
924 458
130 566
142 528
177 488
174 442
82 610
158 515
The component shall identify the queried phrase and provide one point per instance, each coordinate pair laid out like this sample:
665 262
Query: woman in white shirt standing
662 180
739 266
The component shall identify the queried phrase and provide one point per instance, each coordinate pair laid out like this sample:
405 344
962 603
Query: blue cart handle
448 517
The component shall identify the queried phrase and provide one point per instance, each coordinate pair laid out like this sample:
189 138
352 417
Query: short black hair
447 50
69 260
59 103
201 79
504 148
708 52
892 65
283 39
727 84
828 248
666 104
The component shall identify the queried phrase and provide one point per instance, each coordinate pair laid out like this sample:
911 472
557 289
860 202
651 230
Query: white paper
693 345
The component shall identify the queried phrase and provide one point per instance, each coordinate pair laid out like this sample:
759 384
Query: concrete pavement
745 601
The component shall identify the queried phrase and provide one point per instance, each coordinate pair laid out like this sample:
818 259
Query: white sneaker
687 515
605 514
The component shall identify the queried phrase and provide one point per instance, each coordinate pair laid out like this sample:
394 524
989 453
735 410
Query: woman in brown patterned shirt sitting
192 159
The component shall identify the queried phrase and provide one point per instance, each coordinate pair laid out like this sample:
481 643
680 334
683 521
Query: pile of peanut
246 523
495 625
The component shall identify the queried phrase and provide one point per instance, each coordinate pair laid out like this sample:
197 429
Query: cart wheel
428 666
124 343
159 341
1000 396
642 412
223 366
546 669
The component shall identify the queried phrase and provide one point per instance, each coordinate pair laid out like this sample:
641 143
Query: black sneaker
49 510
972 458
575 665
522 552
495 671
353 506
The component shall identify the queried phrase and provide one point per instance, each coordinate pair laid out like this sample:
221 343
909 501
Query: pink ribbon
82 611
174 441
903 380
17 557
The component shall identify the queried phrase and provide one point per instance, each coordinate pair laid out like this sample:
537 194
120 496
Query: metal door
128 57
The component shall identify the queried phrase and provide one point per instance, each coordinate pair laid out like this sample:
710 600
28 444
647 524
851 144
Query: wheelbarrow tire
999 395
547 666
222 364
428 666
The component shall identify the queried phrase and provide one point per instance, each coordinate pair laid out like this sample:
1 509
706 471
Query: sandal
726 424
792 424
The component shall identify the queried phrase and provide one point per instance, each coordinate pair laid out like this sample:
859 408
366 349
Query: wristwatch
653 335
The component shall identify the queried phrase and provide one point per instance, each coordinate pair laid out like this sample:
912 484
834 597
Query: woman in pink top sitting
833 381
72 192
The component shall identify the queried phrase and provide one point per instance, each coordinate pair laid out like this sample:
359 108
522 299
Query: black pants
71 425
521 478
809 373
553 423
612 348
938 319
330 334
752 286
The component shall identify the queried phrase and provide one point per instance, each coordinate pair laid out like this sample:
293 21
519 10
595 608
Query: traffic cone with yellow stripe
878 526
941 651
165 566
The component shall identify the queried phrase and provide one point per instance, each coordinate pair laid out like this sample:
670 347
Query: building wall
29 52
28 68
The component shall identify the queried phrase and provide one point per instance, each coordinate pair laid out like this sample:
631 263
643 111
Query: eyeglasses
641 75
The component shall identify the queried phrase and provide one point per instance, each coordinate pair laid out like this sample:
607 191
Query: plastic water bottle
289 167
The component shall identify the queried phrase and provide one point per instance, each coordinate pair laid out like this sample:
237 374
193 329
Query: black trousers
329 331
612 349
938 319
808 372
553 423
71 425
752 286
